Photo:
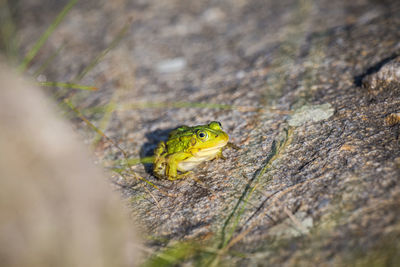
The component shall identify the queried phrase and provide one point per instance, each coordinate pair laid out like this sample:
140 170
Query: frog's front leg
229 144
219 155
232 145
173 160
160 149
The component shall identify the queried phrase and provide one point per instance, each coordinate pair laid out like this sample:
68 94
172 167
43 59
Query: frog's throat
192 162
200 156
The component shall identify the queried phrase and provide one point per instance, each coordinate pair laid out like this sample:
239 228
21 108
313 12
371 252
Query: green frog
186 148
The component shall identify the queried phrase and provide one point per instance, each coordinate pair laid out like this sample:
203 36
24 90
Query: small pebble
171 65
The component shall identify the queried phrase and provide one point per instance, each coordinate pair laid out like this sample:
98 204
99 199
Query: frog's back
179 142
178 131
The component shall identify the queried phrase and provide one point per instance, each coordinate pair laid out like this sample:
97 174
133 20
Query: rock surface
325 192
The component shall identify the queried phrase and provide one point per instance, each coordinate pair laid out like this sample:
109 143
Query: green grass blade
104 122
176 105
8 32
172 256
97 130
68 85
99 57
48 61
35 49
232 222
134 161
182 104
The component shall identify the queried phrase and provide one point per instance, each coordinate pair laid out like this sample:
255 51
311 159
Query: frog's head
209 137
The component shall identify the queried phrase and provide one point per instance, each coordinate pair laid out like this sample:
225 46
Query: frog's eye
202 135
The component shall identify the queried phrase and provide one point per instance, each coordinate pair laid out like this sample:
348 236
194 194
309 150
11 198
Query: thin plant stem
35 49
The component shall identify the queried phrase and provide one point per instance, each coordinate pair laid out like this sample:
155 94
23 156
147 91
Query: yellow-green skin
186 148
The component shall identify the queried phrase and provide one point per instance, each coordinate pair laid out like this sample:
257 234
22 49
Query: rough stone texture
325 192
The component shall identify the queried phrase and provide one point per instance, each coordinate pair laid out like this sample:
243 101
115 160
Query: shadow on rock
147 150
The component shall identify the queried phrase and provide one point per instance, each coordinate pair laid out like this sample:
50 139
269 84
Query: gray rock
252 63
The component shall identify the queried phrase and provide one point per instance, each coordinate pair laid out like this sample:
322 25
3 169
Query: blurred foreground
56 208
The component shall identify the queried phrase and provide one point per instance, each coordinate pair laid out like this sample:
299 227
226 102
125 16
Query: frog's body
187 147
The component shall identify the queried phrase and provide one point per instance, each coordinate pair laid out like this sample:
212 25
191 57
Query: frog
186 148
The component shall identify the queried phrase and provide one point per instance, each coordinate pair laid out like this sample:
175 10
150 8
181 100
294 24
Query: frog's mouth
216 146
210 151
